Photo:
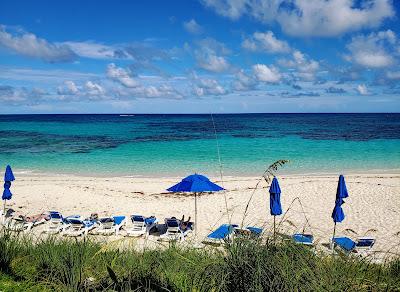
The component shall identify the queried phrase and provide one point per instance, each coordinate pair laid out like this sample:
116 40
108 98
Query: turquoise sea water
169 145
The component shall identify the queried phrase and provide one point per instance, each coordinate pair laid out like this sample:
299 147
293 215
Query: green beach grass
53 264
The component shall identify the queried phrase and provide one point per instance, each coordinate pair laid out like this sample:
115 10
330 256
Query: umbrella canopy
275 198
6 193
195 183
337 213
8 178
8 175
341 193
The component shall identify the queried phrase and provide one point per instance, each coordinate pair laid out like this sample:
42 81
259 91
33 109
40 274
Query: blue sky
199 56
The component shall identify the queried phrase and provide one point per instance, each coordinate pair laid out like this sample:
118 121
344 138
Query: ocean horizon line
188 114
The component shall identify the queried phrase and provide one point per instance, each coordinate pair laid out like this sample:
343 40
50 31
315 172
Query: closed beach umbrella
341 193
337 213
195 183
8 178
275 199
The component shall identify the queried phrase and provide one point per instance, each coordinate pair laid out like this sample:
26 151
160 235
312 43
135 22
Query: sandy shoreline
284 172
373 204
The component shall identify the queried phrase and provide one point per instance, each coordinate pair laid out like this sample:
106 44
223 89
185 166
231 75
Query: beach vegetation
56 264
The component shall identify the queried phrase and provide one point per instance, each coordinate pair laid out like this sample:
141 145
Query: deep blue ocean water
169 145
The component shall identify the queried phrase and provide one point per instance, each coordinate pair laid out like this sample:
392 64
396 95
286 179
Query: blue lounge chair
55 223
349 245
78 227
221 234
174 230
141 225
255 230
305 239
110 225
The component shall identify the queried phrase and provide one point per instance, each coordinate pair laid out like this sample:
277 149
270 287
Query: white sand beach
373 206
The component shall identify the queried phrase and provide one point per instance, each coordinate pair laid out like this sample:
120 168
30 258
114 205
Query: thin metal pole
274 227
195 214
220 168
334 231
4 212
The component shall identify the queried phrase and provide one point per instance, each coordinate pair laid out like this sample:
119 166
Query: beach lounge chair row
346 244
227 232
76 226
20 223
175 229
141 225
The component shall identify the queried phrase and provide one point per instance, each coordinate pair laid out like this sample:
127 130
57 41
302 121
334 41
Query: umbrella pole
274 227
4 212
195 214
333 236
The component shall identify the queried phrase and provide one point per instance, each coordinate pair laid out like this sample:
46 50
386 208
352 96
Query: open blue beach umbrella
195 183
8 178
275 199
341 193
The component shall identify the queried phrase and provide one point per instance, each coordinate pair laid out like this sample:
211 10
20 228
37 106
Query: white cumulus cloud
213 63
94 89
121 75
266 74
16 96
243 81
69 88
324 18
211 55
207 86
29 45
371 51
265 42
305 68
